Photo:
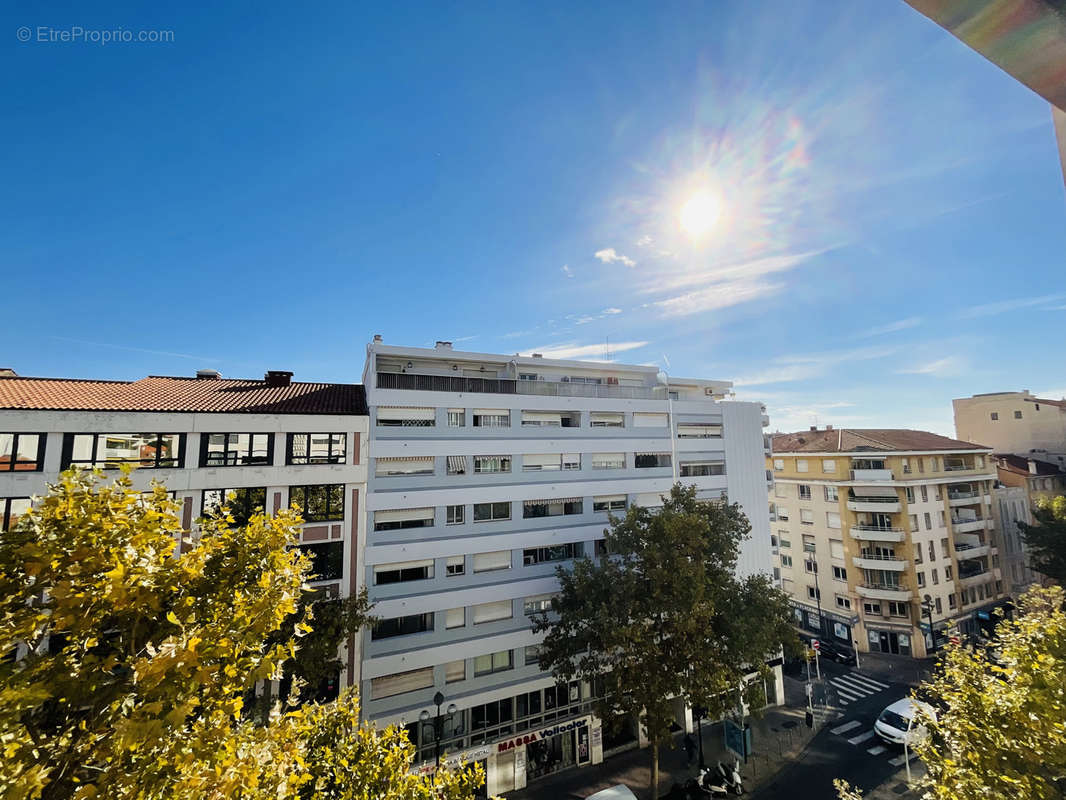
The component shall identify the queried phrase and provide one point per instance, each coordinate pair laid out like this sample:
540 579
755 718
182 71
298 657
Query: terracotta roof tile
169 394
1020 465
850 440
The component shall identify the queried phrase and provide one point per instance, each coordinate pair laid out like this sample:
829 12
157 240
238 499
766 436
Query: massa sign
544 733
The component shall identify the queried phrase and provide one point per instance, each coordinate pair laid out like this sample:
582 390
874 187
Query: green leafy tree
664 617
1046 538
131 648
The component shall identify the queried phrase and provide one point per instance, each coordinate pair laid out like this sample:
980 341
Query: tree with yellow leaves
130 650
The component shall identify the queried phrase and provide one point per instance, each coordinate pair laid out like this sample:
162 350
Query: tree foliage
1046 538
665 616
131 649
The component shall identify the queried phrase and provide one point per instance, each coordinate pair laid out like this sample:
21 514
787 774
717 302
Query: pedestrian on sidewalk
690 749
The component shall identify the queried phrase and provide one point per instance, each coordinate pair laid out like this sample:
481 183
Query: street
846 748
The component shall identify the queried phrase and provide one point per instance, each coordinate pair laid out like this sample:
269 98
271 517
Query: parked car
618 792
898 723
835 652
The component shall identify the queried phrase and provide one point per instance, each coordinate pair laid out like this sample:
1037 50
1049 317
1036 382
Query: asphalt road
847 747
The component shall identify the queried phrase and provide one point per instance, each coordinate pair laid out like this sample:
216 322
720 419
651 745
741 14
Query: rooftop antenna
607 349
666 361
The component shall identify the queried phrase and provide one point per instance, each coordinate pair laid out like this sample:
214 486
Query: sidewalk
777 738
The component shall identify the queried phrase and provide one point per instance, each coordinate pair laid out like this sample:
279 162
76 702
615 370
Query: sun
700 213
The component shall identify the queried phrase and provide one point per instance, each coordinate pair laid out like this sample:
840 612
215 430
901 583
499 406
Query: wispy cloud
892 327
567 271
719 295
587 352
1053 394
190 356
1003 306
586 318
609 256
950 366
644 241
804 366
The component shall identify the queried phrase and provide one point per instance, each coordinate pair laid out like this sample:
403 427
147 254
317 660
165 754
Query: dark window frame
205 439
403 575
12 465
407 625
237 519
329 513
327 556
531 556
96 460
492 512
331 456
5 511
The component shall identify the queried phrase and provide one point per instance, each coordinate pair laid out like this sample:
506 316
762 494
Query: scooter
731 778
710 786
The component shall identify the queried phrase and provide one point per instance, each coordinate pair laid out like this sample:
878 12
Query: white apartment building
488 472
271 442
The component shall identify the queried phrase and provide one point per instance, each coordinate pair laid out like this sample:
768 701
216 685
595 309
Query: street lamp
438 720
927 607
664 378
700 713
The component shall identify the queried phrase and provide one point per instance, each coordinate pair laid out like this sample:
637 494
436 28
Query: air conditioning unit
707 390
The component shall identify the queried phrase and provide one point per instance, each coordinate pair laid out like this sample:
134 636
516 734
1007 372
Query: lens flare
700 214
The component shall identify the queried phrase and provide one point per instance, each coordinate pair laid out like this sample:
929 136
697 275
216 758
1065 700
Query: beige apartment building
1014 422
877 531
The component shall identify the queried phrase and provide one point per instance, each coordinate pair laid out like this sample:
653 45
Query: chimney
1032 467
377 338
208 374
829 427
814 428
277 377
443 346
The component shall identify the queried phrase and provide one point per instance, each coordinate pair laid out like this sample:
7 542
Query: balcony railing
858 499
958 467
878 557
962 495
458 383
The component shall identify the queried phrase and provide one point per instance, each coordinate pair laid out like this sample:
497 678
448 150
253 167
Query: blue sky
280 182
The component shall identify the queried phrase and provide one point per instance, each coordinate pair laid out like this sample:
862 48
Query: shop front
895 642
549 750
828 625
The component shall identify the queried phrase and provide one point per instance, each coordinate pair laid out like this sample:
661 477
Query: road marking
898 760
866 683
855 686
847 726
859 677
862 737
848 694
877 750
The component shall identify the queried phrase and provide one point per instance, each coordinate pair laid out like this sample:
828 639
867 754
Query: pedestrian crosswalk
853 687
854 733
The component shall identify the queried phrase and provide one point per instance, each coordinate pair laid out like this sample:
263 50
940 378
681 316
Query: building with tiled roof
885 537
260 444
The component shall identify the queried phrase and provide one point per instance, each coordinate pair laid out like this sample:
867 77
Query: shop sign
545 733
454 759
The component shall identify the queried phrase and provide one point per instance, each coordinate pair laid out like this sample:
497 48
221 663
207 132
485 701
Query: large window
492 418
11 509
404 465
242 503
486 464
401 683
402 518
315 448
693 469
553 419
607 419
487 512
319 503
552 508
548 462
608 460
327 560
493 662
236 449
645 460
22 452
698 430
402 626
559 552
393 417
614 502
403 572
110 450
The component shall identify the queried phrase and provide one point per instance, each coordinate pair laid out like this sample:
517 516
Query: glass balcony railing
460 383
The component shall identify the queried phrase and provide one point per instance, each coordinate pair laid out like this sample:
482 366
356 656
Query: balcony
456 383
958 467
871 475
967 551
874 533
968 525
879 591
965 498
871 561
875 505
969 579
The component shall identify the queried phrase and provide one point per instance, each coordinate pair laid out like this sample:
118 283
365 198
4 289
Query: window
995 415
615 502
935 576
491 562
913 519
1017 414
947 572
571 461
492 418
786 561
551 508
836 549
781 538
327 560
454 618
492 612
813 594
918 554
811 566
782 513
872 608
486 464
906 466
925 494
648 460
832 520
928 522
840 574
921 579
951 602
456 465
606 419
698 430
896 609
843 602
23 452
401 683
944 547
806 516
532 654
455 515
831 495
403 518
319 503
648 420
455 671
402 626
403 572
393 417
11 509
608 460
316 448
552 419
537 604
389 467
236 449
456 417
941 520
801 465
829 466
455 565
804 492
692 469
493 662
109 450
489 512
242 503
559 552
780 490
932 551
779 464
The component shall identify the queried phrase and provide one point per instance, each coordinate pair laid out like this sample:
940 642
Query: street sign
816 645
738 740
954 640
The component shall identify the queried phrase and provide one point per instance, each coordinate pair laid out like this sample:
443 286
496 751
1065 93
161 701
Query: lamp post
438 720
927 607
664 378
700 713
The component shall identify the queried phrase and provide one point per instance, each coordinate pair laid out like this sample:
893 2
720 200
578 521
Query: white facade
488 472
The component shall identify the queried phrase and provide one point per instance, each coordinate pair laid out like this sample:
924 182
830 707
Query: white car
619 792
899 723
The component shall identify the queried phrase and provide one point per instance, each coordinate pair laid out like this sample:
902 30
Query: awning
404 412
544 417
495 412
608 498
394 459
541 460
875 491
651 454
403 514
643 420
549 501
457 463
